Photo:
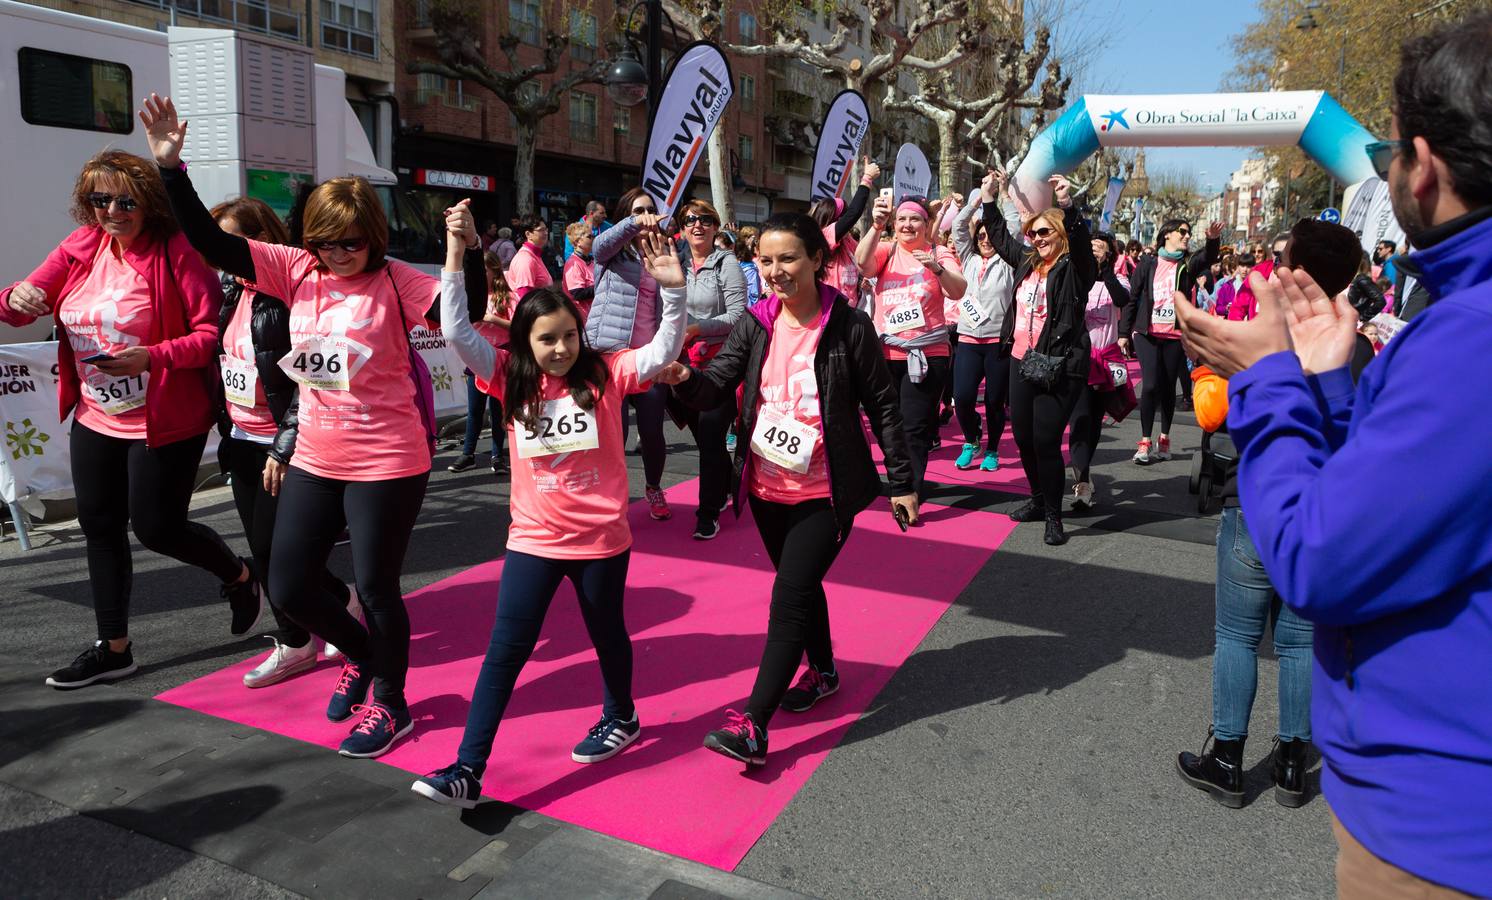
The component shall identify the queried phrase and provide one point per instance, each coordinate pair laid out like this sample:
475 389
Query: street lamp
1308 23
627 81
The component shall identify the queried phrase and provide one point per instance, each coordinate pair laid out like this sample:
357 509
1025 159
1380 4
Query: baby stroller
1210 468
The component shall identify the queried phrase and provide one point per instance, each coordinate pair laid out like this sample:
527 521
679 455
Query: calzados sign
694 97
843 131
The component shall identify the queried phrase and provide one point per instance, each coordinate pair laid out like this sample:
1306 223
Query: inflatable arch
1323 129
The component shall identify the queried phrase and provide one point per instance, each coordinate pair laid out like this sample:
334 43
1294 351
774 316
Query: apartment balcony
244 15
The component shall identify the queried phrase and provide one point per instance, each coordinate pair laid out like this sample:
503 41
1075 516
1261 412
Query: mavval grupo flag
844 129
698 87
913 174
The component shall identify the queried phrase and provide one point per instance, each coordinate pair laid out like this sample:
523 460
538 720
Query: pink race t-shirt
840 271
578 275
496 335
1030 314
372 431
1163 311
527 271
109 311
238 353
571 505
904 285
790 389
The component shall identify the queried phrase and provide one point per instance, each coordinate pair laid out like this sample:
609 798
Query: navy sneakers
455 785
608 738
377 731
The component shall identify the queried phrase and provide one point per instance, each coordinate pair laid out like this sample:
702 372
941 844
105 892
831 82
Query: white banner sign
1201 120
1110 203
698 88
1371 215
34 460
445 369
844 129
913 174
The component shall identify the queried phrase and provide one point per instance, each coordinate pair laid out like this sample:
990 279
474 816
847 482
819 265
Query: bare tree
528 91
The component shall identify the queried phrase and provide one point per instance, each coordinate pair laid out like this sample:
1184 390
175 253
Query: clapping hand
1323 329
1061 190
660 260
163 132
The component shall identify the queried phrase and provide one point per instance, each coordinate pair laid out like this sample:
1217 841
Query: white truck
263 117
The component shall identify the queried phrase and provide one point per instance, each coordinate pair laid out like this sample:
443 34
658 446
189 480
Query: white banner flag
699 86
913 174
843 131
1110 203
445 369
34 460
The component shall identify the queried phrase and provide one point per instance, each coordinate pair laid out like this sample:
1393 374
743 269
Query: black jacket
1067 287
852 374
269 329
1136 318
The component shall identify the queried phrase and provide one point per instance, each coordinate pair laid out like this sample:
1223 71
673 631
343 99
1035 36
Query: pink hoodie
187 297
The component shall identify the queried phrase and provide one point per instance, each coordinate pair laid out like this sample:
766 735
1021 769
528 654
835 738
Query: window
747 149
583 116
350 26
582 36
437 88
65 91
523 20
747 26
748 93
623 121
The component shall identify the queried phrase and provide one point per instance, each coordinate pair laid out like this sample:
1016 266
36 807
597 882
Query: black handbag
1041 370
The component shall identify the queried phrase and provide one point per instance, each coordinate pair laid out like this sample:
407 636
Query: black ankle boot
1218 771
1290 764
1055 536
1031 511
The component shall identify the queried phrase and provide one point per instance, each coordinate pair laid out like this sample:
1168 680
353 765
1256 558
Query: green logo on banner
26 440
440 378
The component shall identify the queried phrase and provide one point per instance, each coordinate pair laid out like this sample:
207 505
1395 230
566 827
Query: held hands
1126 346
1062 190
126 363
163 132
274 473
673 373
461 226
870 171
993 185
908 504
661 263
29 300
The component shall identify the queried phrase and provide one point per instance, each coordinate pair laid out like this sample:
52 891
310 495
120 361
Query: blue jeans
478 403
523 597
1246 601
973 364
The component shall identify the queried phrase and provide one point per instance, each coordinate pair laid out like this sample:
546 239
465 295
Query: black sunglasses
1041 232
1381 154
644 210
350 246
1184 232
100 200
707 221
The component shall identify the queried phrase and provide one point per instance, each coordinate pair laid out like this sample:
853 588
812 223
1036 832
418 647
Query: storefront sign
458 180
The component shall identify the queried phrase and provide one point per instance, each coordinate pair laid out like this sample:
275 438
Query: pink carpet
698 616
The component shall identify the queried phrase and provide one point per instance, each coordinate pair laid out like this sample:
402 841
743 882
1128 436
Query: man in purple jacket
1366 505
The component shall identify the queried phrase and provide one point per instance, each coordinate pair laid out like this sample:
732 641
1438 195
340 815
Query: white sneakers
1142 452
282 662
356 609
1082 495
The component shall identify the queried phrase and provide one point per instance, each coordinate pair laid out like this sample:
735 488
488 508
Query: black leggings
651 407
802 540
256 510
123 484
1087 425
1037 420
714 461
919 411
976 363
379 515
952 364
1162 361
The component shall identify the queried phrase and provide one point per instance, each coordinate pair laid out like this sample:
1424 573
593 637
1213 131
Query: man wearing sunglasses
1397 580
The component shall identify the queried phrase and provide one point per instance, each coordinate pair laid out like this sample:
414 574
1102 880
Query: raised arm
858 201
963 231
865 251
455 320
668 342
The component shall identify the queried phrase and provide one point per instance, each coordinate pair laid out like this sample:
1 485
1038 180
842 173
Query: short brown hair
141 179
341 204
699 208
746 244
255 219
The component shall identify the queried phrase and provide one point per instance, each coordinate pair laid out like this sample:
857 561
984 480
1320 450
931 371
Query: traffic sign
1331 214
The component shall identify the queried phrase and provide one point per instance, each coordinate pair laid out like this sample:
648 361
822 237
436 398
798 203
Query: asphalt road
1026 749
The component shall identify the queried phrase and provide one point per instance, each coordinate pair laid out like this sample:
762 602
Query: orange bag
1209 398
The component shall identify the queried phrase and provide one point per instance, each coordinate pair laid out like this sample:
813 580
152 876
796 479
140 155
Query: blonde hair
338 206
1052 218
577 232
141 179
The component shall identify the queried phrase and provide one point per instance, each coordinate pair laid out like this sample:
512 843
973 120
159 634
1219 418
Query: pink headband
838 207
912 206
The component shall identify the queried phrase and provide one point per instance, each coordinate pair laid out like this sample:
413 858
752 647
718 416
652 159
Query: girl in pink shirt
563 404
806 363
913 279
527 270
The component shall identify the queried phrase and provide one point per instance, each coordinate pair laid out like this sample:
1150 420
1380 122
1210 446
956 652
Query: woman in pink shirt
569 498
363 451
806 363
137 314
914 278
527 270
580 272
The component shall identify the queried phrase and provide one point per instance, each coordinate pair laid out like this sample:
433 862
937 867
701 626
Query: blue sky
1170 48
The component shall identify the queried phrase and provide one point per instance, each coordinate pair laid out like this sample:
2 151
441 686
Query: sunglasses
99 200
705 221
1381 154
1184 232
349 246
1041 232
644 210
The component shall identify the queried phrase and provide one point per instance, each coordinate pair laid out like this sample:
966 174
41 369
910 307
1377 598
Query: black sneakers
1032 510
463 462
246 600
740 739
97 663
812 687
706 527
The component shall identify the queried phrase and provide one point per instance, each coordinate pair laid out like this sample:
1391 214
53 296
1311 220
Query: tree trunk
721 189
523 163
949 156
